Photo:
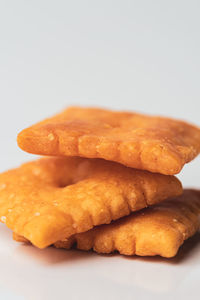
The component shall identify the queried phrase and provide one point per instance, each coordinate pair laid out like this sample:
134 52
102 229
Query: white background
131 55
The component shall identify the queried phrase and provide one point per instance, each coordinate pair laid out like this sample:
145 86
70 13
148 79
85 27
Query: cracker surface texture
139 141
158 230
53 198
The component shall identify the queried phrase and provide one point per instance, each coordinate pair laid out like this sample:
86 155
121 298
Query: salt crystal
37 214
51 137
2 186
3 219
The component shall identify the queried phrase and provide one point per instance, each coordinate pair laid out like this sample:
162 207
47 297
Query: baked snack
139 141
158 230
53 198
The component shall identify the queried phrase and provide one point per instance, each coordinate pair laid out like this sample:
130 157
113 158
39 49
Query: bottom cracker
158 230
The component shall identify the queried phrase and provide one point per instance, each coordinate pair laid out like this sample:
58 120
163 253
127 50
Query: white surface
137 55
30 273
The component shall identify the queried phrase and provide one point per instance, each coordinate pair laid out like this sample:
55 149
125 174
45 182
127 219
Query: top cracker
139 141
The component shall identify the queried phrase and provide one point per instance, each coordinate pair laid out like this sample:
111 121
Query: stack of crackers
106 183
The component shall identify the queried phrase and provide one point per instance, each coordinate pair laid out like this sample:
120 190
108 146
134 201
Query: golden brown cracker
139 141
19 238
53 198
158 230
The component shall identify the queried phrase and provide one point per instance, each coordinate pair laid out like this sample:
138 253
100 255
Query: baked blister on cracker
156 144
157 230
53 198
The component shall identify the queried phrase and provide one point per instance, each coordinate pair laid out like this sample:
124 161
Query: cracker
53 198
158 230
139 141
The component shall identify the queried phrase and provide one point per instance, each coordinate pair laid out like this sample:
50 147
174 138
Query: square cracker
139 141
158 230
53 198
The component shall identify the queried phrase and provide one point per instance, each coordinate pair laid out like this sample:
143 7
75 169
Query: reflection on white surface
46 274
156 274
